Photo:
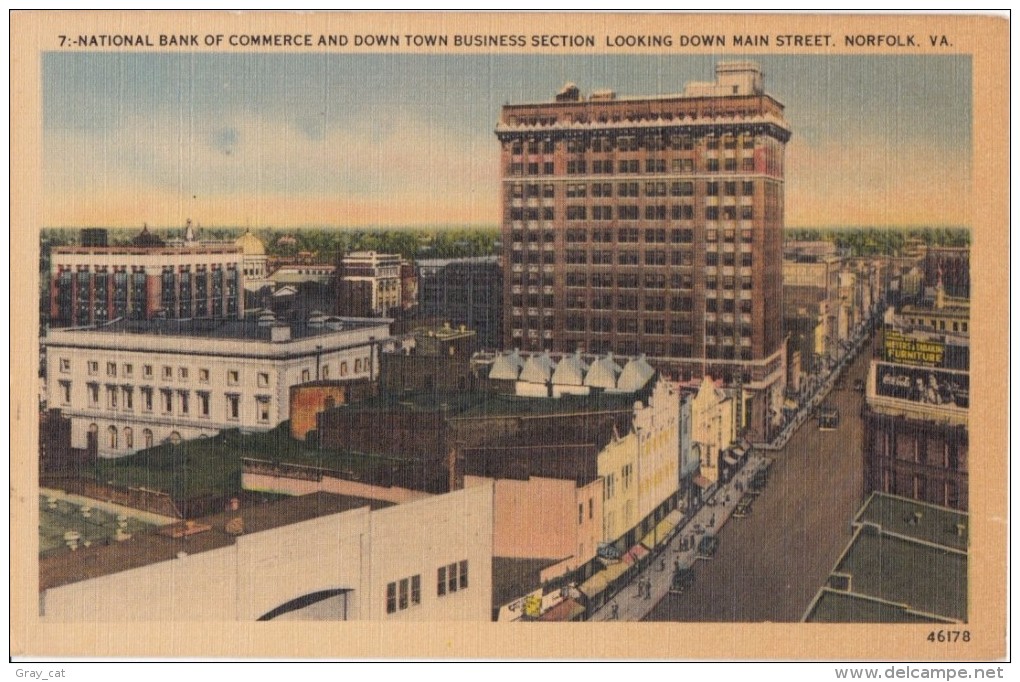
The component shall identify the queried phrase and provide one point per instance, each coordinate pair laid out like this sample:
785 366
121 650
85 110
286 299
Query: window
168 373
182 373
65 365
577 213
263 379
147 399
263 407
93 395
451 578
147 371
628 212
233 377
203 376
403 594
184 398
65 392
168 401
576 190
203 404
129 370
305 375
93 368
233 406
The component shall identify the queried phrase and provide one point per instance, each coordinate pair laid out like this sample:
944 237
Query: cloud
247 168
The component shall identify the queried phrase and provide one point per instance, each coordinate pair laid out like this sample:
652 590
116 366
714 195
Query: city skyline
293 140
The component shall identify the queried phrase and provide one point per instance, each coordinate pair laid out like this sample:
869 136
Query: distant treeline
461 242
865 241
325 243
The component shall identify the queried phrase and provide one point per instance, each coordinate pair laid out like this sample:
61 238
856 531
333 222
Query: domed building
255 261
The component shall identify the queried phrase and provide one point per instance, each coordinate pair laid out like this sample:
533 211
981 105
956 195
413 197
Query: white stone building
133 384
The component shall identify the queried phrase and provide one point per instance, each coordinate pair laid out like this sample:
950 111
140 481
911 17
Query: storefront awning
662 530
601 580
702 482
566 610
635 553
730 459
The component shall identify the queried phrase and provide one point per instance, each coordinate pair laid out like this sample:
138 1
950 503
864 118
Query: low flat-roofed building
130 385
316 557
906 563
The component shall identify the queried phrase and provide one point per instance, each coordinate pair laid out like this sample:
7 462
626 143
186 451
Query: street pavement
632 606
770 564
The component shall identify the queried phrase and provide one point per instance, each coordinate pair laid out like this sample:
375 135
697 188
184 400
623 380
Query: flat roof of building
247 329
152 547
833 606
907 562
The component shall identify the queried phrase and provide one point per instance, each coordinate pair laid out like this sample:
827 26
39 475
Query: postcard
513 336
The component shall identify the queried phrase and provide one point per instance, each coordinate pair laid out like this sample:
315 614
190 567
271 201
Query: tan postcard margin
985 39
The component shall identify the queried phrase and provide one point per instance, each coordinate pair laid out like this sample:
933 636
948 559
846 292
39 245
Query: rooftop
212 466
144 549
252 328
907 562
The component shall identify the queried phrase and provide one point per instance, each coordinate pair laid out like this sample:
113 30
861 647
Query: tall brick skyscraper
646 224
649 225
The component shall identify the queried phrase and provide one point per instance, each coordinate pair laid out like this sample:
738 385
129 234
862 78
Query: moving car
828 418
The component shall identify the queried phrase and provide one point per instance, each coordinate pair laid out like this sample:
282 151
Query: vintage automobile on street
708 546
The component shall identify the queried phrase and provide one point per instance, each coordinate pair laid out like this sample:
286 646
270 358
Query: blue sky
393 139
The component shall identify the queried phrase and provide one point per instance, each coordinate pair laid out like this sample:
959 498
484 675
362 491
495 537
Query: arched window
129 438
175 438
113 437
147 437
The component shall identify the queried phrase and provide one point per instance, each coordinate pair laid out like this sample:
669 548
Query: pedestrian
662 565
648 588
615 612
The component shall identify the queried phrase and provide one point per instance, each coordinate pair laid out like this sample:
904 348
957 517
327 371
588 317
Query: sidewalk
635 608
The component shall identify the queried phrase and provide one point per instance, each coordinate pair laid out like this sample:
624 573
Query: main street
771 564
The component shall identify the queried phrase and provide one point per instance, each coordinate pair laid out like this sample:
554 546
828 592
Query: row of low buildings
827 296
148 278
582 484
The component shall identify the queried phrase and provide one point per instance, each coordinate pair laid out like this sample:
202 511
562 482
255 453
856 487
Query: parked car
759 479
743 507
682 579
708 546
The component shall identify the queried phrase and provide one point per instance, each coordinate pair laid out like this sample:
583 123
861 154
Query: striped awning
601 580
635 553
566 610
